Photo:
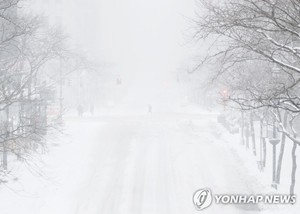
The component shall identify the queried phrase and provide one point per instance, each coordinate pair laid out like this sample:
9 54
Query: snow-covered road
154 164
139 165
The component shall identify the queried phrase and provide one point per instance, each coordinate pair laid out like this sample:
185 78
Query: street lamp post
274 141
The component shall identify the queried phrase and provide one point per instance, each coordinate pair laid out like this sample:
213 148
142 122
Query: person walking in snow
149 108
80 110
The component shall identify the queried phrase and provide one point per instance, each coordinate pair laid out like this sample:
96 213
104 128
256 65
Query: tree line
255 53
32 62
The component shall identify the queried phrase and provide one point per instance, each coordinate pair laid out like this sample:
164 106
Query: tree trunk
4 157
247 133
282 146
294 168
264 152
262 143
252 134
243 129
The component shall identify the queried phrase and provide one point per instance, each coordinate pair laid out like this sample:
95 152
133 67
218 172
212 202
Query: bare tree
28 49
257 52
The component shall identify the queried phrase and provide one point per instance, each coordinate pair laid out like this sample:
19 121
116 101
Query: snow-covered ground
137 165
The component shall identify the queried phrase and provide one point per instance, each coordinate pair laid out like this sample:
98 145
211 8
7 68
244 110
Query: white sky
144 38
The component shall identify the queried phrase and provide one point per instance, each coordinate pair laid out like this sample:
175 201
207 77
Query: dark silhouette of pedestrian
149 108
80 110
